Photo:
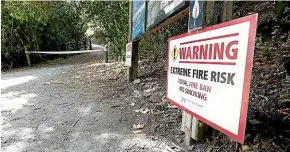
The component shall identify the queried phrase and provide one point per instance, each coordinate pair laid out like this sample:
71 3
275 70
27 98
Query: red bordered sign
209 74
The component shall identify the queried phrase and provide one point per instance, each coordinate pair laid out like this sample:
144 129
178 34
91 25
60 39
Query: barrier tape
64 52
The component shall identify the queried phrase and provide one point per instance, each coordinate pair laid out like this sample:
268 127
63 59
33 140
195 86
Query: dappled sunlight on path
16 81
78 108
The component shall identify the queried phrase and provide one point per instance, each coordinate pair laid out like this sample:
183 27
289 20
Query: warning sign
129 54
209 73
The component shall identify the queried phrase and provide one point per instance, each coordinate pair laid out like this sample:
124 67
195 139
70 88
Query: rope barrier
65 52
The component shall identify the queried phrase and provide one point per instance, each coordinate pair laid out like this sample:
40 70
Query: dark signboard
138 18
195 15
158 11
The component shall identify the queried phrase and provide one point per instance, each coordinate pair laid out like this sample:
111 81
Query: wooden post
129 69
135 59
225 14
213 13
192 127
106 54
198 127
227 11
90 44
85 44
208 13
27 54
188 128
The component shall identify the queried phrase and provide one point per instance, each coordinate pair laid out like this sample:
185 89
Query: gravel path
69 105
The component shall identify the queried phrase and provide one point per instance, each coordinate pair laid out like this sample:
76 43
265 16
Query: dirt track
71 105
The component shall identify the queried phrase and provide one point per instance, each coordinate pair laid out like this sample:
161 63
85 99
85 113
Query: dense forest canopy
34 25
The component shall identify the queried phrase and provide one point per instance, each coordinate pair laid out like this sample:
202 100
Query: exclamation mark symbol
174 51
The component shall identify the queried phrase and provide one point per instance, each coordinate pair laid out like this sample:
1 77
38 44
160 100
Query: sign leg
188 129
191 126
238 147
197 130
133 70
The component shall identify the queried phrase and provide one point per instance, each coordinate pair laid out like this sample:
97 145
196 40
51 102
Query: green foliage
266 53
35 24
279 9
110 23
109 20
154 45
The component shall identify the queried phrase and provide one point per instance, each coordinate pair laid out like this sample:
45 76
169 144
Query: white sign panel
129 54
209 74
157 11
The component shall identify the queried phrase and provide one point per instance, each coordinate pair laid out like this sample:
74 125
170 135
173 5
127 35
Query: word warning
209 74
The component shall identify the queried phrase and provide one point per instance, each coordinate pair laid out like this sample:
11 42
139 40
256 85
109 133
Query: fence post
85 44
27 54
106 54
90 44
